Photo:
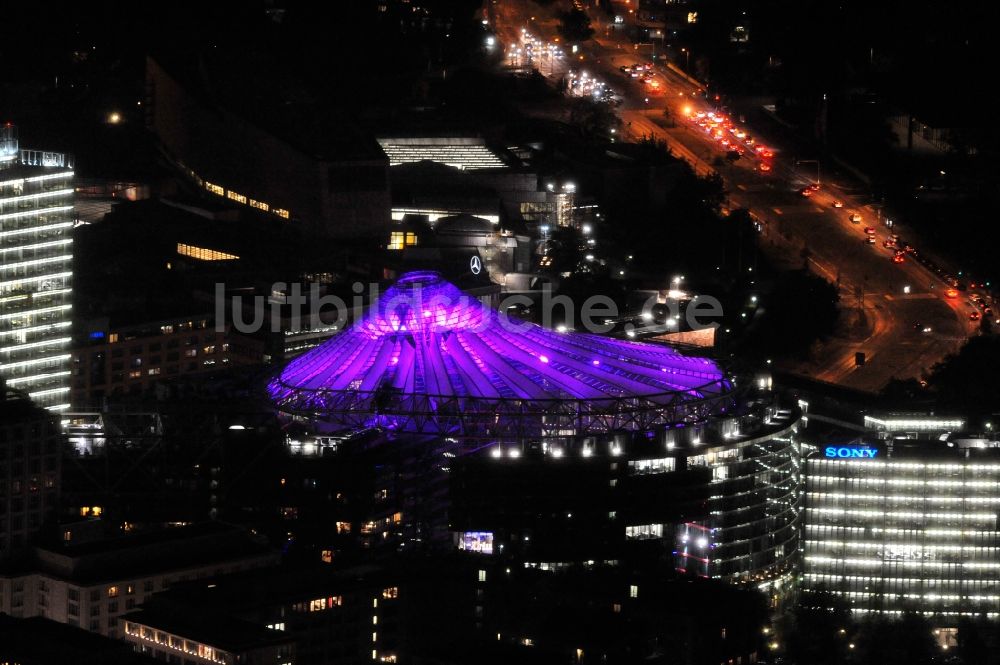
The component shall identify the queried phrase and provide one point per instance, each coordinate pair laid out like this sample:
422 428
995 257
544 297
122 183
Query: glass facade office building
36 255
752 533
905 526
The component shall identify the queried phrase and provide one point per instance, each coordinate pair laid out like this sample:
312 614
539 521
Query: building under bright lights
627 447
906 519
36 256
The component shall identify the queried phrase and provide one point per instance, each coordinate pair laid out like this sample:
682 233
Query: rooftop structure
429 359
38 641
225 139
462 153
91 583
217 638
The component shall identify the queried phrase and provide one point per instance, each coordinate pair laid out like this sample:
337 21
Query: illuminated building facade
36 257
751 534
169 639
458 152
908 522
430 359
499 252
719 500
427 194
564 447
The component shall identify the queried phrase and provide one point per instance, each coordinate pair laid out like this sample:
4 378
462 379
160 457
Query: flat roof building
461 152
202 638
38 641
315 614
90 585
333 179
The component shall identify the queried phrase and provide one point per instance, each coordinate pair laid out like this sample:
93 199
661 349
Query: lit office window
644 531
649 466
400 239
204 254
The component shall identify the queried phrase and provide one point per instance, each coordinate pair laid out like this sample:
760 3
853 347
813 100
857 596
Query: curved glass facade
754 505
718 500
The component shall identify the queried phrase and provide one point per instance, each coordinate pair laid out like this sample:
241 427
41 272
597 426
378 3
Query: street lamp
687 59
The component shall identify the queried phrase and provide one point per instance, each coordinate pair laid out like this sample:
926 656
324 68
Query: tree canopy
574 25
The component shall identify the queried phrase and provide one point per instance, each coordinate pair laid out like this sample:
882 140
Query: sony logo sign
850 451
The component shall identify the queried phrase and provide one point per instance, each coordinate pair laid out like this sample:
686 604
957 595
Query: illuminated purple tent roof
429 358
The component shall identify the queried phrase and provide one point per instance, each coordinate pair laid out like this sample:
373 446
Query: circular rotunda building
430 359
665 444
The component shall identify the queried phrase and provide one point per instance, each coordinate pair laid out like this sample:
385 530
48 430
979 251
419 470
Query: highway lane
879 319
897 347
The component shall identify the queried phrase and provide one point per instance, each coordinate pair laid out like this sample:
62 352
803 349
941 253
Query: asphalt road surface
901 333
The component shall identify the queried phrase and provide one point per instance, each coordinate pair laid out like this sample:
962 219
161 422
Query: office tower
36 221
906 521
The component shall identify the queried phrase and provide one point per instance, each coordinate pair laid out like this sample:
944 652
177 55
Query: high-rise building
36 222
905 520
29 468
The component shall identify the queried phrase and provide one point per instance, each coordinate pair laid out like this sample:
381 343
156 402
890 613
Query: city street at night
479 332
